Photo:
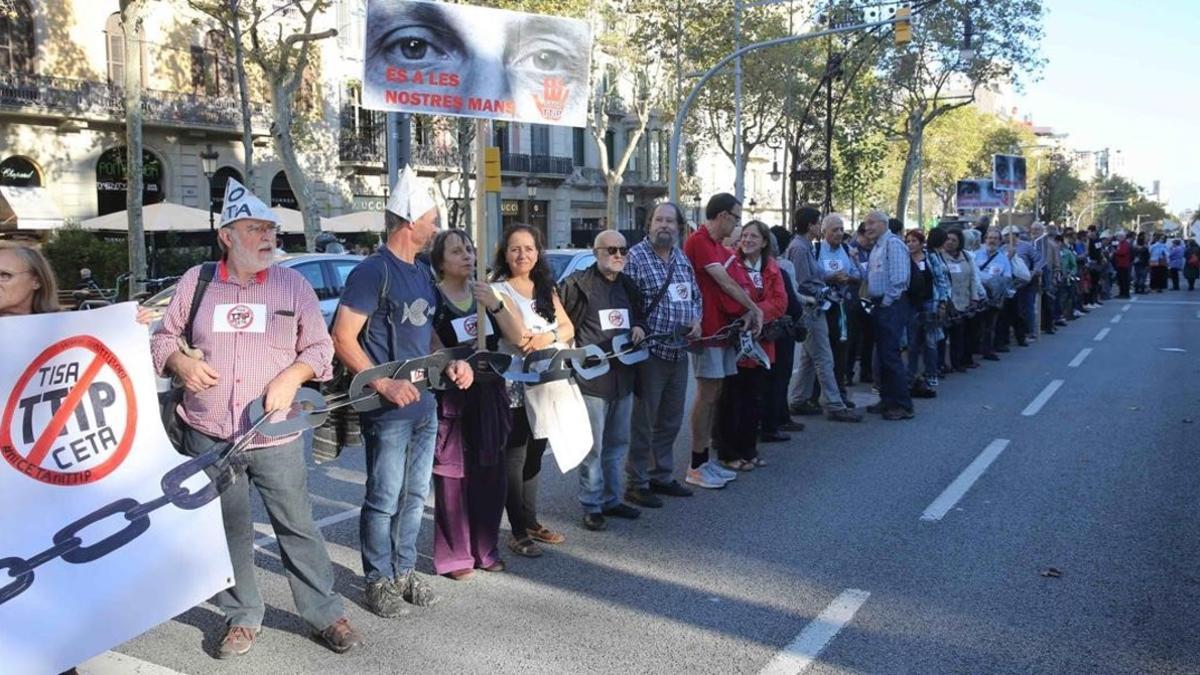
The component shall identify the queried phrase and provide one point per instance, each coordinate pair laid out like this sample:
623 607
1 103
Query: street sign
446 59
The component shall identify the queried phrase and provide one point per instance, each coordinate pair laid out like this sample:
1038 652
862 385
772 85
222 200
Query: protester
715 362
384 316
469 475
27 284
1175 260
816 356
860 343
603 302
1011 322
928 290
739 410
963 300
842 276
887 288
1159 257
1191 266
281 344
523 278
995 273
777 417
671 298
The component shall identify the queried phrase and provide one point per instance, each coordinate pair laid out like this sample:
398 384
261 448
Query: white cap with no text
240 203
412 197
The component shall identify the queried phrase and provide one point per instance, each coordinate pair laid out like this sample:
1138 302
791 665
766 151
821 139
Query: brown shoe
497 566
238 640
546 535
461 575
341 636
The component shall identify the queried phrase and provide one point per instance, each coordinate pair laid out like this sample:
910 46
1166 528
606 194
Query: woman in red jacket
740 408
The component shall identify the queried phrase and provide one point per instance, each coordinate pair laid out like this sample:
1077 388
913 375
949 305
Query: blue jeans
399 468
922 348
281 476
890 324
600 472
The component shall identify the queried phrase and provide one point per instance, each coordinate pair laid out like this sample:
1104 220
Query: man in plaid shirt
661 379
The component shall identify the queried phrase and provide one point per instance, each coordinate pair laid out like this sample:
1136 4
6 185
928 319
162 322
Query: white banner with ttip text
93 551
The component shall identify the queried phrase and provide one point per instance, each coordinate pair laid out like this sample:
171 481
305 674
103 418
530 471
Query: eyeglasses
263 228
6 277
614 250
737 217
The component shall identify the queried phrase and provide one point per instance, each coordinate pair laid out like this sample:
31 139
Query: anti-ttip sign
437 58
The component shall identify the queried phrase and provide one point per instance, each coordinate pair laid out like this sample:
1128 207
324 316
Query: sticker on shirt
921 265
417 312
955 268
995 270
833 266
756 278
614 319
681 292
466 329
240 318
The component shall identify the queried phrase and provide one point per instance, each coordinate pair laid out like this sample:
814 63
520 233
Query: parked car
566 261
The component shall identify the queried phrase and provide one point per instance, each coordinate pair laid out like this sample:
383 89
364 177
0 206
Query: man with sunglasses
257 331
604 302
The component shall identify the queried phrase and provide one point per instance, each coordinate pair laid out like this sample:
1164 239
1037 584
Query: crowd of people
772 323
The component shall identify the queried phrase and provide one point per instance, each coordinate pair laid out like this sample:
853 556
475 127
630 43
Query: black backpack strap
207 271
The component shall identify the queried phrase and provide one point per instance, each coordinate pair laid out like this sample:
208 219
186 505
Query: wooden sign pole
482 134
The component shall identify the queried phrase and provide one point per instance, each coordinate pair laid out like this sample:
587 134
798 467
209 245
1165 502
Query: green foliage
71 249
1057 186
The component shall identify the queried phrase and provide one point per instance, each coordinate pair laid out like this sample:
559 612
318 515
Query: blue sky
1125 74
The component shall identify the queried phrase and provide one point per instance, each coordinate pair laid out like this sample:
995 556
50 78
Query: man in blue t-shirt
385 315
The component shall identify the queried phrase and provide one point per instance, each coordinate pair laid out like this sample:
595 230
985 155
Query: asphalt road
823 559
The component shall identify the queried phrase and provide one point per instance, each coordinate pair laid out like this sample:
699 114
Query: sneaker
672 489
415 590
773 437
843 415
384 599
704 478
792 426
990 357
643 497
720 471
237 641
341 636
876 408
805 408
622 511
594 522
894 414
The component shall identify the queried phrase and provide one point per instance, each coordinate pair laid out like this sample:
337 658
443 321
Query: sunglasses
614 250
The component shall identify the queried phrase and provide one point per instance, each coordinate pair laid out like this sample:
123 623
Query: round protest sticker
471 325
240 317
616 318
71 417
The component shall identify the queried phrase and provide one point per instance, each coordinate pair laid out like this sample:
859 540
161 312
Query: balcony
101 101
435 155
365 146
540 164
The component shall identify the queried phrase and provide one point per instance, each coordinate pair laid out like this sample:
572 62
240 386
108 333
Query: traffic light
903 29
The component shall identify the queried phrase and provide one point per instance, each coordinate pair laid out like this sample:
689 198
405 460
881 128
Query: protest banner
438 58
1008 172
980 193
93 551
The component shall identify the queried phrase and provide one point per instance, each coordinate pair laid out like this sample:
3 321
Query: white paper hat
241 203
412 197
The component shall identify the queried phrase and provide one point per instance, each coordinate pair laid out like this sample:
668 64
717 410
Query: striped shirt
650 272
888 269
293 332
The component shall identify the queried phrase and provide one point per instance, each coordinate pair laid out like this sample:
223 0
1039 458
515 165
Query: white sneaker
720 471
703 478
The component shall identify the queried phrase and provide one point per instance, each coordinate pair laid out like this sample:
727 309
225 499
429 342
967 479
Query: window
500 136
579 146
655 161
219 179
16 38
218 71
281 192
342 270
539 137
114 37
316 278
610 146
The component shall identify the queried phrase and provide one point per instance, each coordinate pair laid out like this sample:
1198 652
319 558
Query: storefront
530 212
111 176
24 202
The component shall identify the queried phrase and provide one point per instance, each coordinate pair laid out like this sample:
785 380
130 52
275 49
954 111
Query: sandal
461 575
758 461
524 547
738 465
546 535
497 566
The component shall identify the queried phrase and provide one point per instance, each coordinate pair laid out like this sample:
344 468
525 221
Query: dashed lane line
955 491
1101 335
1080 357
802 652
1036 404
1116 319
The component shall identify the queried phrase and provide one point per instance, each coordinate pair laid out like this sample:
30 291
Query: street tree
132 14
285 56
1057 186
928 77
232 16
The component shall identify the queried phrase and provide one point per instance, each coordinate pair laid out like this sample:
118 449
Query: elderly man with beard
670 302
257 330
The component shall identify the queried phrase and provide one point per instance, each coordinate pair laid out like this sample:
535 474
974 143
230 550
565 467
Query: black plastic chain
68 544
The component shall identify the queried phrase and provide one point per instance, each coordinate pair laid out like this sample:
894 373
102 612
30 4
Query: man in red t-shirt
1122 260
713 364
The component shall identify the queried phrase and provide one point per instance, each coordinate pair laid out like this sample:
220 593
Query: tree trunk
239 56
131 22
612 199
914 136
285 147
466 138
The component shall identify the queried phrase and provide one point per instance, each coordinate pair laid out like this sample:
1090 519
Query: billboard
443 59
1008 172
980 193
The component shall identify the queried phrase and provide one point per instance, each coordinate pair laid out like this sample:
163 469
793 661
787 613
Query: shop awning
291 221
28 208
160 217
358 221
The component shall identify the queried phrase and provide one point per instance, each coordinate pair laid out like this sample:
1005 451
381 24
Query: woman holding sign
27 284
473 424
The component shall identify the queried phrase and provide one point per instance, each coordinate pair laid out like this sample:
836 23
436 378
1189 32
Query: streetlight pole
739 181
208 164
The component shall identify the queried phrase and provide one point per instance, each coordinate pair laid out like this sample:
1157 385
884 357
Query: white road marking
268 539
1170 302
1172 349
950 496
115 663
1134 299
1079 358
802 652
1037 403
1116 319
1126 308
1198 314
1102 334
